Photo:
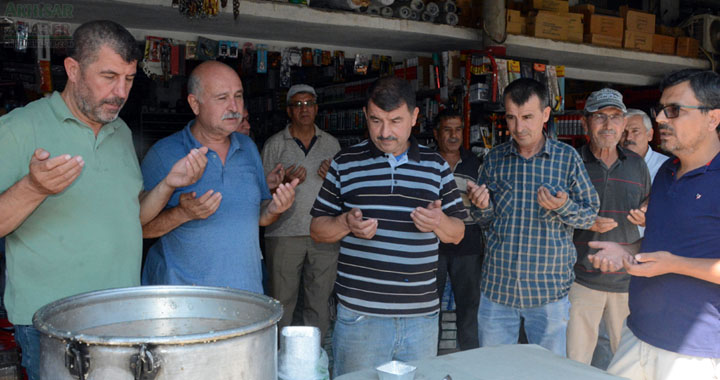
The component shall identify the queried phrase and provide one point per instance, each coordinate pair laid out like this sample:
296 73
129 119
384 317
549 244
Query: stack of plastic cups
300 354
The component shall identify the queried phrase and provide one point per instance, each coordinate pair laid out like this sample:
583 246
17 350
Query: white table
508 362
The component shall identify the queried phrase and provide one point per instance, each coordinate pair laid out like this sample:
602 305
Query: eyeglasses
673 110
601 118
307 103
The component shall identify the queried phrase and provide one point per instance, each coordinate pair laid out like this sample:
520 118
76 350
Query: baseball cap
606 97
299 88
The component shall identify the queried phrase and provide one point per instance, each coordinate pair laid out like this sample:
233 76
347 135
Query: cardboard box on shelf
635 40
586 10
605 25
583 8
663 44
604 40
513 15
516 28
549 5
669 31
575 28
687 47
637 21
548 25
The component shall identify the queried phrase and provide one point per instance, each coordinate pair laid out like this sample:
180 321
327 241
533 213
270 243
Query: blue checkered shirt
530 253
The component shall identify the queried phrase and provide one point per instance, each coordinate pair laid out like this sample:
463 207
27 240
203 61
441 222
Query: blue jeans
363 341
29 340
544 325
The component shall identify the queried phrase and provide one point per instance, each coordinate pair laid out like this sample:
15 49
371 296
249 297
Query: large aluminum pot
160 333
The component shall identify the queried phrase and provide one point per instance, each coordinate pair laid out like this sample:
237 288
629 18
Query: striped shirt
392 274
530 253
625 185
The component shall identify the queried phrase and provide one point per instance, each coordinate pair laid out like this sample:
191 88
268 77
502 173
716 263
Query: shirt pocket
247 186
502 196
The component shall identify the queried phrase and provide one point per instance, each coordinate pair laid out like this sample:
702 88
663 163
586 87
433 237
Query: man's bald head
202 73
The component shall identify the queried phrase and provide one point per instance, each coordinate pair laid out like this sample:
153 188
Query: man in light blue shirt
638 134
209 230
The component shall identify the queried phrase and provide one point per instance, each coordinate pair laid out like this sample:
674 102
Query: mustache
389 138
666 127
114 101
628 143
233 115
453 141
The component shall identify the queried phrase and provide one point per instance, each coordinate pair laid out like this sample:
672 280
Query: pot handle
145 365
77 359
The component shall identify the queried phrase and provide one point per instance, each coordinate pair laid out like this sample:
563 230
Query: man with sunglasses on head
305 152
622 181
673 328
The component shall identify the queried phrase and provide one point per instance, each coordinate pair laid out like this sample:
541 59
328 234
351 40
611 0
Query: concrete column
493 18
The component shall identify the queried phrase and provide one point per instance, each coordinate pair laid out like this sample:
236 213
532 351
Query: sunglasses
307 103
673 110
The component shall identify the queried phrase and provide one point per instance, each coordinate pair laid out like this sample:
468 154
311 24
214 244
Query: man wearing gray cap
305 152
622 181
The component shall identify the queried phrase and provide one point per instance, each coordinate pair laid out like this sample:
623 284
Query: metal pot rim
64 304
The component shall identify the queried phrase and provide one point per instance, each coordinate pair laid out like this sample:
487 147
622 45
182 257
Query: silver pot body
160 333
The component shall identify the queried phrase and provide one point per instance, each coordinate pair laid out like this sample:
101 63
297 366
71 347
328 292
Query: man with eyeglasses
209 231
290 252
622 181
673 328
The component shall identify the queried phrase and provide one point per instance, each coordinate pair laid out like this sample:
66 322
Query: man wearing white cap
305 152
622 181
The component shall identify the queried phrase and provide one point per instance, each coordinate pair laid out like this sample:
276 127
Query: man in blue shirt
209 230
534 191
673 330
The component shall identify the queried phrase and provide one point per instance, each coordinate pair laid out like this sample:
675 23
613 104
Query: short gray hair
194 85
91 36
645 118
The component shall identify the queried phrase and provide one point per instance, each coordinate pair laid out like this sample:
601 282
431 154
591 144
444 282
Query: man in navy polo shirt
673 330
209 230
388 200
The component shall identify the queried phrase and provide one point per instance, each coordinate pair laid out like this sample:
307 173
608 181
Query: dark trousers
464 272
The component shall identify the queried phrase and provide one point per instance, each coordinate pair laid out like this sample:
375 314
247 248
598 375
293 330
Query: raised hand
478 195
323 169
549 201
275 177
200 208
53 175
637 216
650 264
293 172
427 219
283 197
188 169
364 229
609 257
603 224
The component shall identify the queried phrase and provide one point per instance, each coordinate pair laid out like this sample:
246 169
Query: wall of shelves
283 24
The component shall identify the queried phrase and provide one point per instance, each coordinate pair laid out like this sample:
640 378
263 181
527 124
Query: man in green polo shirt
71 205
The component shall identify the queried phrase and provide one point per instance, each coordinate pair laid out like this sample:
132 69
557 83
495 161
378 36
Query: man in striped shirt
534 191
388 200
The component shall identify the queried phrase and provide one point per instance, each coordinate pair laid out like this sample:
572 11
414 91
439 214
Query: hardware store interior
310 72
